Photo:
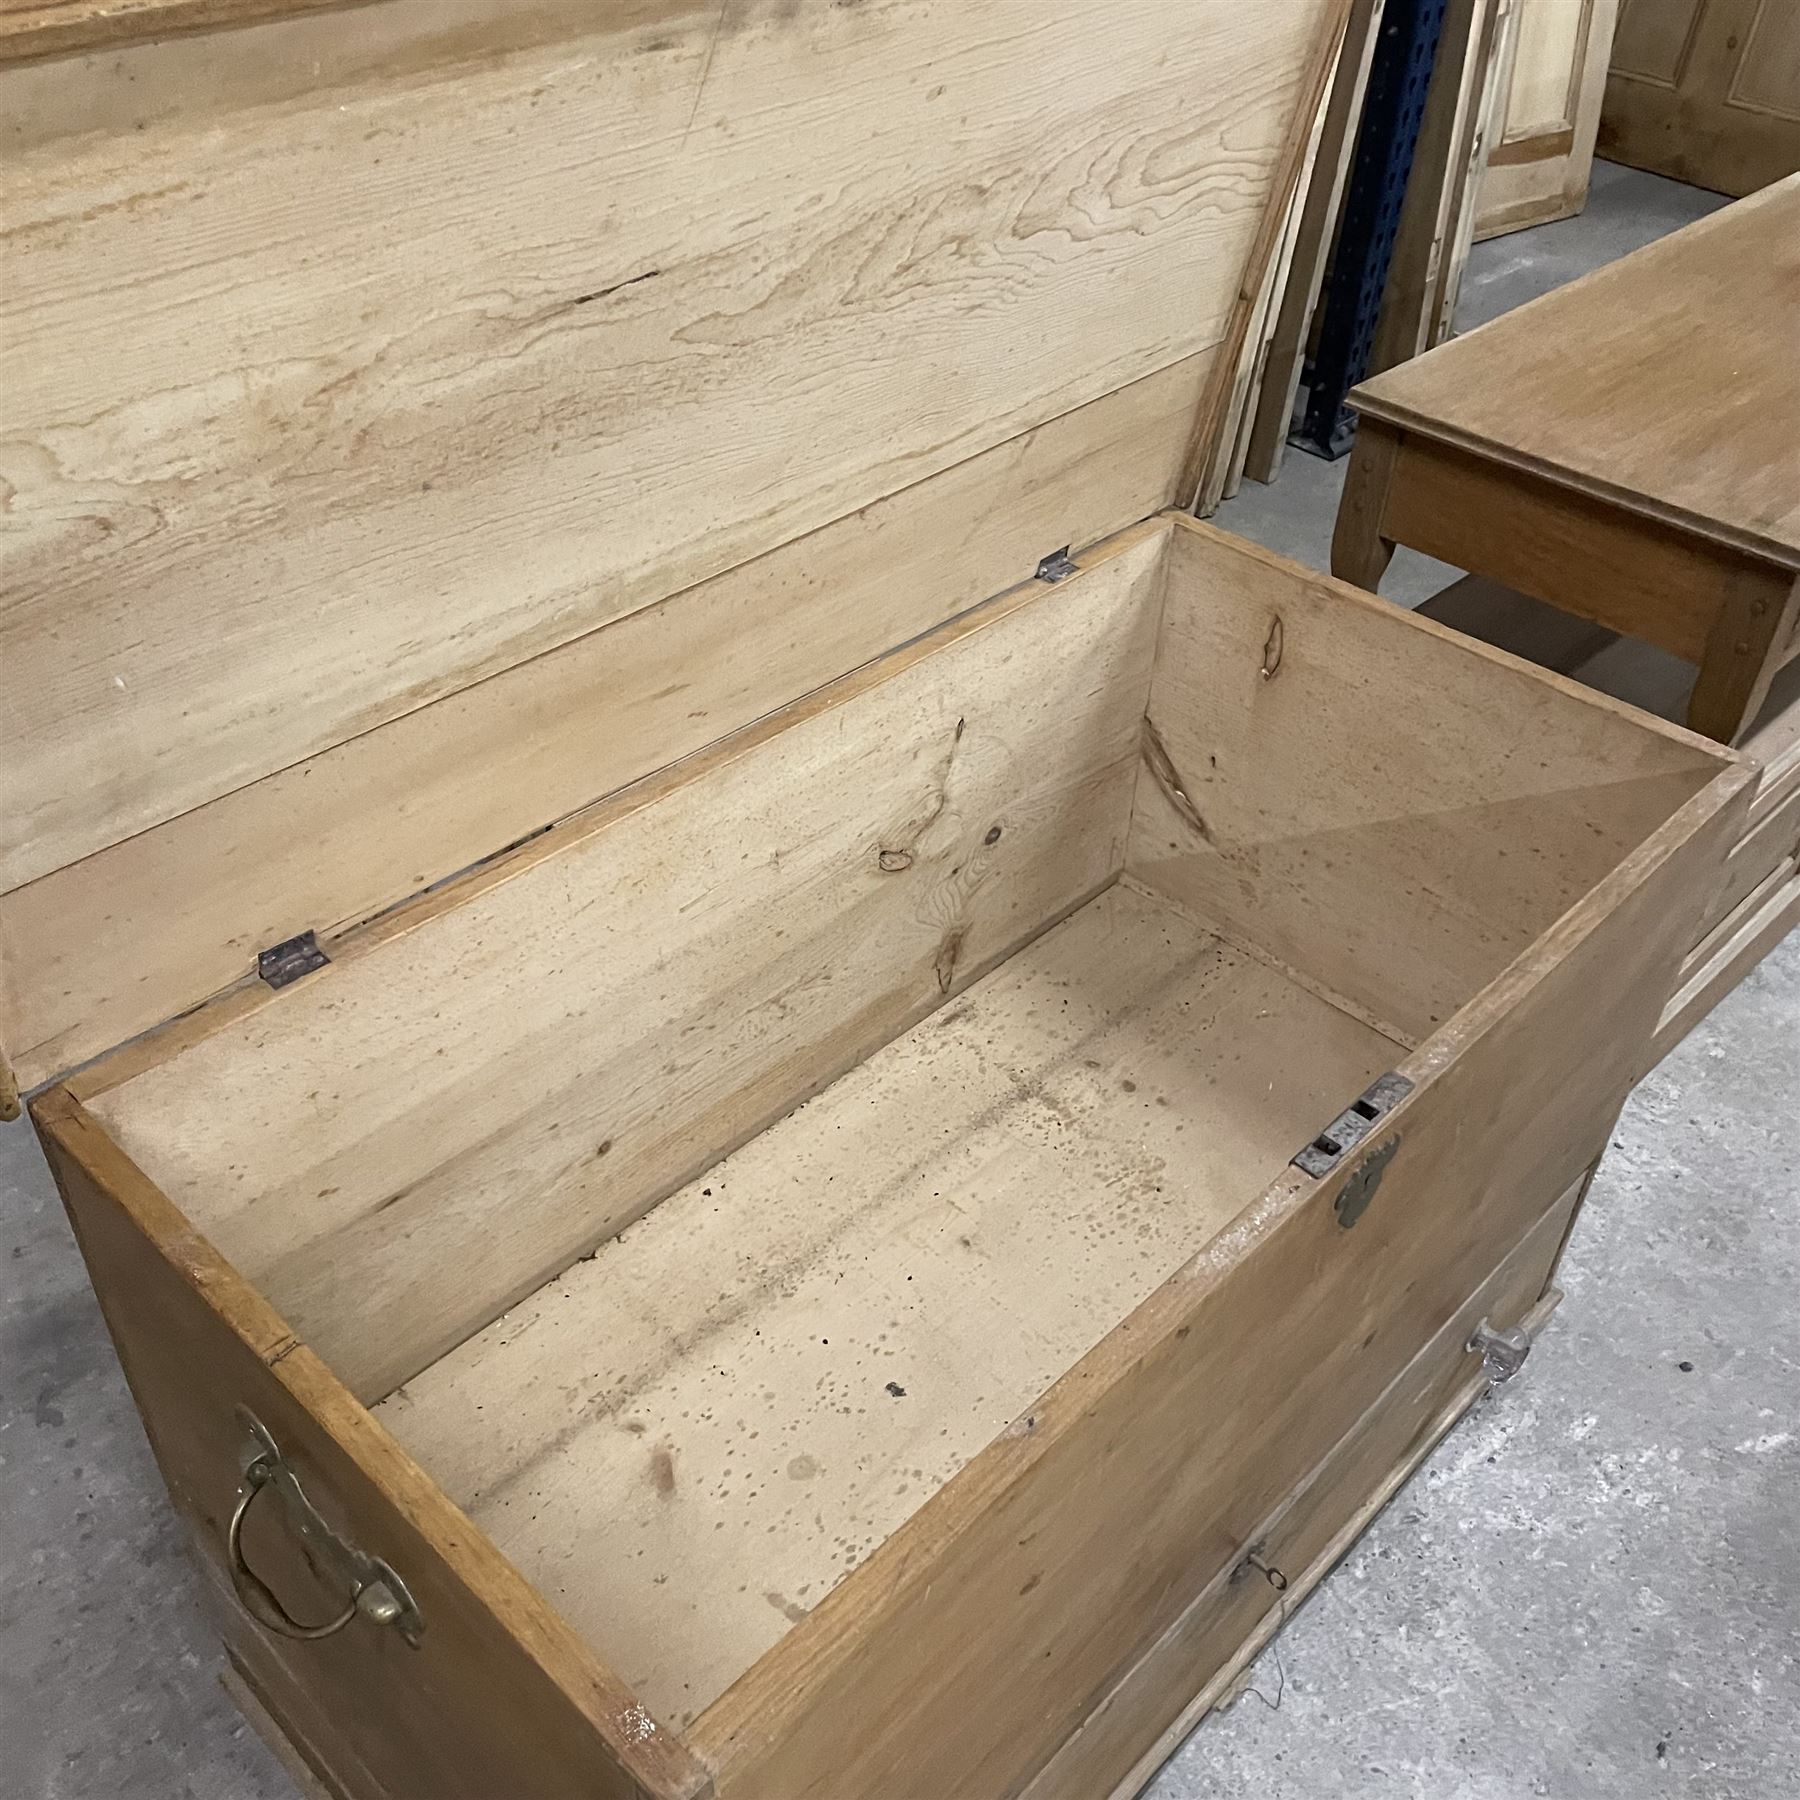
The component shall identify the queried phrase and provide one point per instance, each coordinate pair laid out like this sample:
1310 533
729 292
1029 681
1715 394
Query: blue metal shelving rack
1399 78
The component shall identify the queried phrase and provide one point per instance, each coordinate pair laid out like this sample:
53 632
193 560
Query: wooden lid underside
424 418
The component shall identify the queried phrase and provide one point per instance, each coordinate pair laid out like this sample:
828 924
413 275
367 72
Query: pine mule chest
744 1134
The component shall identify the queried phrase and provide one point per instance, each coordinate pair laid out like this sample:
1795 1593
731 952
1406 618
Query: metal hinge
1057 566
285 962
1348 1130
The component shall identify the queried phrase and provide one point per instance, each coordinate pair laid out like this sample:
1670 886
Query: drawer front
1769 843
497 1698
1156 1705
1727 954
1047 1569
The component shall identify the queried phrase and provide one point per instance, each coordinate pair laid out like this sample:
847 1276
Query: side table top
1667 382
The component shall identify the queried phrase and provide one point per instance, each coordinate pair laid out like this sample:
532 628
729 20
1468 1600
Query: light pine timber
458 1112
1229 1624
431 374
1635 672
1542 158
1748 914
1723 959
1183 1429
962 1217
1284 811
1480 129
1277 278
1317 226
115 943
502 1697
1210 446
31 29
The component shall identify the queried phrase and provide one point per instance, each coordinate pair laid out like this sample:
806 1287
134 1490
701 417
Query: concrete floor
1591 1591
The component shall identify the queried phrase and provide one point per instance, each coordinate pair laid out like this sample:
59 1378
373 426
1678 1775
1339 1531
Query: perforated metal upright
1399 80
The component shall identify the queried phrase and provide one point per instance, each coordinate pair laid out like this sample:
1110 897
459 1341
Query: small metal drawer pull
1503 1353
375 1590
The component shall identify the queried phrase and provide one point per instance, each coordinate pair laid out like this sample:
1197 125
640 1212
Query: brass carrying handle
375 1590
254 1594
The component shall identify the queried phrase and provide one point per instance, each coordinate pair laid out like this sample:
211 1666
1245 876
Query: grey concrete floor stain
1591 1591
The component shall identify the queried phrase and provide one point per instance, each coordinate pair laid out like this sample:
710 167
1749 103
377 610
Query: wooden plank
1269 302
1234 1619
934 1240
1764 848
1499 33
312 1784
1284 811
30 29
501 1694
1257 341
1758 614
432 374
1664 383
118 942
1773 742
581 1031
1211 435
1139 1477
1586 555
1318 223
1627 669
1734 949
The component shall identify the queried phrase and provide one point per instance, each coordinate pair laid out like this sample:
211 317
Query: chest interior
560 529
695 1190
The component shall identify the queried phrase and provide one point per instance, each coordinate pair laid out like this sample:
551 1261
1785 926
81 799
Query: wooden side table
1627 449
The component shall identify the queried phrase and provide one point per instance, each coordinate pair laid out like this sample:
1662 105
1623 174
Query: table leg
1359 552
1748 642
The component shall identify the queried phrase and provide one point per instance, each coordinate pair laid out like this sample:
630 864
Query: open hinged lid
424 419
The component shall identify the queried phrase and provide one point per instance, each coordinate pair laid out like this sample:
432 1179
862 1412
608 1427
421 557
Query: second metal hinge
288 961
